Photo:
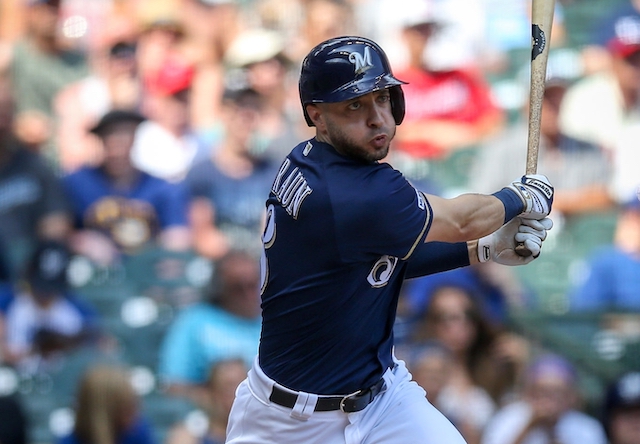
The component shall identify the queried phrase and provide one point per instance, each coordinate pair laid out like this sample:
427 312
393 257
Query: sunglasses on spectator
122 50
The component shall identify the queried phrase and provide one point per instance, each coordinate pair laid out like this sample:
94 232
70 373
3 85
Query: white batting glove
500 245
536 193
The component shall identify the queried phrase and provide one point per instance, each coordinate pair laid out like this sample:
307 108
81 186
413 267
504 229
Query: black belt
348 404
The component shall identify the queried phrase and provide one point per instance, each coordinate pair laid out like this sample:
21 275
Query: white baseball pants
399 414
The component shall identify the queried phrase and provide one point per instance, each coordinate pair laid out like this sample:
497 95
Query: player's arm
464 218
474 228
473 216
499 247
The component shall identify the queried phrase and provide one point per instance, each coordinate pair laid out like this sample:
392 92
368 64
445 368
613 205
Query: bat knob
522 250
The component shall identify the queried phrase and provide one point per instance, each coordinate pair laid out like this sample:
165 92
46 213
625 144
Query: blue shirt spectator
119 208
229 188
150 204
226 326
42 317
612 282
203 334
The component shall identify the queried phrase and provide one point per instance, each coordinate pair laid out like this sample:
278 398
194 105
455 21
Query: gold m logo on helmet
362 61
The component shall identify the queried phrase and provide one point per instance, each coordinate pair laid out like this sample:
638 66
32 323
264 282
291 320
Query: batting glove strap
536 193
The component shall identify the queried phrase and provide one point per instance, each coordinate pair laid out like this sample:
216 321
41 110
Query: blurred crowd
137 126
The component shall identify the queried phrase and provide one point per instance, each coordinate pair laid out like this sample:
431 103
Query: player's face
361 128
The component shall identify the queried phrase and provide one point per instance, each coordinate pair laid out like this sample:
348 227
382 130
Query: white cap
419 12
253 46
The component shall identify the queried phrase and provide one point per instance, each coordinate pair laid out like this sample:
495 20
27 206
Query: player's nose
376 115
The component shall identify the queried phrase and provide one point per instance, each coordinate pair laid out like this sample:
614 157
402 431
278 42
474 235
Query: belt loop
304 406
388 377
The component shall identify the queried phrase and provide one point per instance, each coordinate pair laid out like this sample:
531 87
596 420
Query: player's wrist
513 202
484 249
472 249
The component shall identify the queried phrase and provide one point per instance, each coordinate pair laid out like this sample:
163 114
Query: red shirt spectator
447 97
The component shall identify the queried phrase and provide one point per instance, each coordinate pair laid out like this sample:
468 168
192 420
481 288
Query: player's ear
315 114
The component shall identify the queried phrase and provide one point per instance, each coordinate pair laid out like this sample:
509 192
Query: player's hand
536 193
500 246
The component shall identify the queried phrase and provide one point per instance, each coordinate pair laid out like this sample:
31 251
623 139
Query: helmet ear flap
306 115
397 104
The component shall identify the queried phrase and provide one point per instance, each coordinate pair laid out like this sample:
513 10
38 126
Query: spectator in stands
546 412
226 326
161 32
612 280
621 409
118 208
43 318
114 83
41 65
445 109
209 28
32 200
14 424
579 169
483 365
496 291
224 378
321 20
108 410
260 57
430 364
625 182
596 107
601 29
228 190
487 358
165 144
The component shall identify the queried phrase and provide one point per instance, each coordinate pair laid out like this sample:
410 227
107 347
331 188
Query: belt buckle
344 399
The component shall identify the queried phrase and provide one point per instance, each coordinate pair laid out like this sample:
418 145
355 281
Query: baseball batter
343 231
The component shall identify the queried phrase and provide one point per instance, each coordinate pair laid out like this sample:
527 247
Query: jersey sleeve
436 257
379 213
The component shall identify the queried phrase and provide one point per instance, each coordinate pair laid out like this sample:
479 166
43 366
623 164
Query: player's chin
379 147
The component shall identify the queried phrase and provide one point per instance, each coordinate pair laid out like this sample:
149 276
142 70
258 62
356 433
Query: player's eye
383 98
354 105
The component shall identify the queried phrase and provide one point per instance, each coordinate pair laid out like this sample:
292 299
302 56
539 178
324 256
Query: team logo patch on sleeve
421 203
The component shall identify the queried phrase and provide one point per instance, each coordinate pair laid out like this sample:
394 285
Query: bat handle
522 250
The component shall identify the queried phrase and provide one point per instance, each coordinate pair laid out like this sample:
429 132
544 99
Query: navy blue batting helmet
344 68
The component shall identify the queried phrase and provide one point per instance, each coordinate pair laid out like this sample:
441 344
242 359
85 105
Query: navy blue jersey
337 239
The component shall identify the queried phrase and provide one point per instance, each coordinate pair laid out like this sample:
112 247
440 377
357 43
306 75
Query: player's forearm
465 218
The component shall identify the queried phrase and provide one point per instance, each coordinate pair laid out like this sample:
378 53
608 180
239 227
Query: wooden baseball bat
541 22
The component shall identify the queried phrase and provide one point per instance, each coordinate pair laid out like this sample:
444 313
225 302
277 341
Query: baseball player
343 230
